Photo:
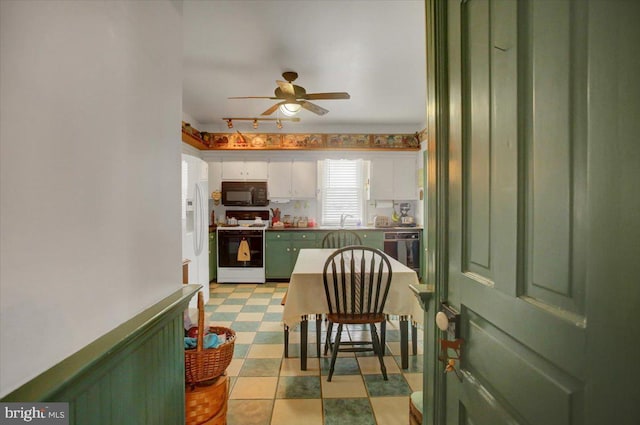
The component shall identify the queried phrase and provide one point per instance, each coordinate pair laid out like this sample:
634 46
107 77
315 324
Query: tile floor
268 389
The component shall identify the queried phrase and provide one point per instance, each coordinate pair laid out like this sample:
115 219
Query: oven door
240 248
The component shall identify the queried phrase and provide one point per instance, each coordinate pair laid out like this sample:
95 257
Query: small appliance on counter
405 218
382 221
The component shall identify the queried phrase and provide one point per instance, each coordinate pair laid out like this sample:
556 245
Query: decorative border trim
297 141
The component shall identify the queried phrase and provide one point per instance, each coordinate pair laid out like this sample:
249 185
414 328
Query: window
342 191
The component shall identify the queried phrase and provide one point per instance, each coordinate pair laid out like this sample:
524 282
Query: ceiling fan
292 97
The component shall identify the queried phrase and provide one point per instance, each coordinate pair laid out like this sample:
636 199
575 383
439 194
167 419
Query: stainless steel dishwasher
404 246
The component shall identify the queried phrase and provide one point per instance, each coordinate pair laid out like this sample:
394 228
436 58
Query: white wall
90 173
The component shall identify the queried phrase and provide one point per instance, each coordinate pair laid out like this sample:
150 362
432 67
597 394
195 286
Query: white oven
241 248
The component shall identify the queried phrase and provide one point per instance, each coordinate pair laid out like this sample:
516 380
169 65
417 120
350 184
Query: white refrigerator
195 222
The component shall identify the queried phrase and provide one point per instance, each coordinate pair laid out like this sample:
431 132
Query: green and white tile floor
268 389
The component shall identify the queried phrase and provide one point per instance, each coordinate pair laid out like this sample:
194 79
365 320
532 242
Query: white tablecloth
306 289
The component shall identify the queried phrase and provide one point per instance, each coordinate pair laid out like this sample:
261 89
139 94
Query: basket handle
200 338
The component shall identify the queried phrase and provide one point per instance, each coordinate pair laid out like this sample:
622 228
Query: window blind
342 190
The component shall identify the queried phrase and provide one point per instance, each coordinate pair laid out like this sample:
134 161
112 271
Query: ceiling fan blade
272 109
287 88
252 97
313 108
333 95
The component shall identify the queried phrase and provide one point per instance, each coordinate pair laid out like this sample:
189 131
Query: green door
543 165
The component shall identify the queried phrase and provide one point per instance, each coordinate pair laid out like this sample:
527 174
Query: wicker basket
204 365
207 404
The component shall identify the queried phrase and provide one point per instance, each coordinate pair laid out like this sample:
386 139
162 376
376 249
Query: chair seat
356 319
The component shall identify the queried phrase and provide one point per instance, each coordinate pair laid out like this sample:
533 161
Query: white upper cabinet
292 179
244 170
279 182
393 179
303 179
215 176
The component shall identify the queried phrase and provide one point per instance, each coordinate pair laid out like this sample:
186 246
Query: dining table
306 297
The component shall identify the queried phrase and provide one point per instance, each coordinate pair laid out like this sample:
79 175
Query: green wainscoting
131 375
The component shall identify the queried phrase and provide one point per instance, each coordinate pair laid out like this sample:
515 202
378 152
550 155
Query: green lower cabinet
282 250
213 262
278 255
372 238
301 240
283 247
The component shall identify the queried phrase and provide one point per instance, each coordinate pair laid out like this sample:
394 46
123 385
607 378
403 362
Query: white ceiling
372 49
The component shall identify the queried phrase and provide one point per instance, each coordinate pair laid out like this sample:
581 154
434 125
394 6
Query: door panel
515 190
554 95
497 355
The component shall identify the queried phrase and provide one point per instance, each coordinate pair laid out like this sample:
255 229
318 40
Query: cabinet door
405 182
373 239
393 179
244 170
256 170
233 170
300 241
303 179
215 176
279 182
381 176
278 256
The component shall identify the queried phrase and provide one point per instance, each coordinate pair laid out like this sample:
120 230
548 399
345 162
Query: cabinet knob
364 236
304 236
295 249
288 249
278 236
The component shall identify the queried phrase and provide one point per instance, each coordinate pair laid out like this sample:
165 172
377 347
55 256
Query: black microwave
244 194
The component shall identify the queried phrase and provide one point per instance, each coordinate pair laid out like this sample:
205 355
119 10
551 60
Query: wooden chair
335 239
340 239
356 283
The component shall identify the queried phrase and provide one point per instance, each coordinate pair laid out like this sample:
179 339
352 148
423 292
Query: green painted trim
50 384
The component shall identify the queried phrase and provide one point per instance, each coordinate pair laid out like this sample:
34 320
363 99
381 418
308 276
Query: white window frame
356 207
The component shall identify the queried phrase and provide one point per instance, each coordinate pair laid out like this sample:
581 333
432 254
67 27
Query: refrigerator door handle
203 220
197 243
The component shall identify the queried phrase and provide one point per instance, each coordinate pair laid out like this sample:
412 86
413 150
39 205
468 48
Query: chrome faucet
343 217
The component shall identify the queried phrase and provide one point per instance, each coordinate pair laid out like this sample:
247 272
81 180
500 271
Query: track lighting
255 121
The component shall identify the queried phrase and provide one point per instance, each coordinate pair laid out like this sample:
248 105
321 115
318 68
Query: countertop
331 228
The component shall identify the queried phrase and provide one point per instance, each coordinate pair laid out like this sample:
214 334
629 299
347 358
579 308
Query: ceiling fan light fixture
290 109
230 123
278 123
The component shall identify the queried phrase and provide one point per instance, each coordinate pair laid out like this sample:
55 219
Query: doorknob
448 320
